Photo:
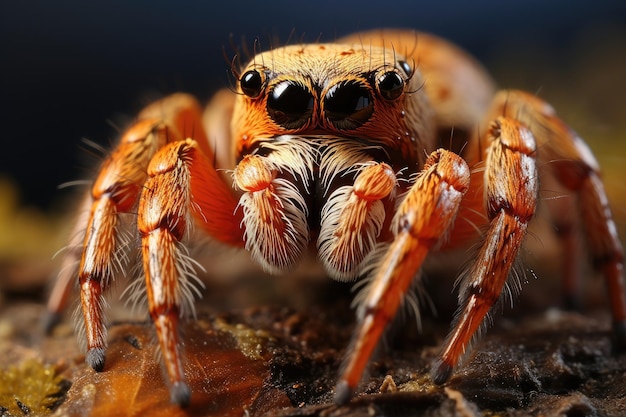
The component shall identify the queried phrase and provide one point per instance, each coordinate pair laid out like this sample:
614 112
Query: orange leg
177 174
565 216
94 243
511 187
162 222
115 191
425 215
569 160
121 177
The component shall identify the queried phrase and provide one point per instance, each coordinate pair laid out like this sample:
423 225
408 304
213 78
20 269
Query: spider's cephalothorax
374 148
312 141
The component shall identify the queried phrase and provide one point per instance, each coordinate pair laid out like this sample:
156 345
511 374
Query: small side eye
406 68
252 83
390 85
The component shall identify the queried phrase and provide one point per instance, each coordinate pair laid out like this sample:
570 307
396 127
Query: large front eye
290 104
390 85
348 105
252 83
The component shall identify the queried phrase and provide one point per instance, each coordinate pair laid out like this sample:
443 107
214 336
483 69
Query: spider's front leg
182 184
96 242
114 192
424 217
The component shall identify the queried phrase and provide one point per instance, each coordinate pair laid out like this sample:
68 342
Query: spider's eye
348 105
406 68
252 83
290 104
390 85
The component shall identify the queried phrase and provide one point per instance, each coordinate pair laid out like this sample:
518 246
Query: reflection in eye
348 104
290 104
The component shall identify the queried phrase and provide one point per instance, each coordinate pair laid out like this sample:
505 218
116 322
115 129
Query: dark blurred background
70 68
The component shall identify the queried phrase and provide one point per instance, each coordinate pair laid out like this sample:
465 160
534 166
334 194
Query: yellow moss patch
29 388
249 341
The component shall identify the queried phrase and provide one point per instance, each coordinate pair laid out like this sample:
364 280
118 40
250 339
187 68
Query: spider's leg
423 218
114 192
96 243
511 186
182 186
176 175
567 158
93 251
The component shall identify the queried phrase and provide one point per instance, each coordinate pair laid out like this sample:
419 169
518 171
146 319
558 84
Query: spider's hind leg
566 157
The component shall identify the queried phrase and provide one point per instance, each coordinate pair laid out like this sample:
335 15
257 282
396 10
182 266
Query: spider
374 151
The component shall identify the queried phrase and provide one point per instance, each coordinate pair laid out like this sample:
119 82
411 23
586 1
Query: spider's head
331 89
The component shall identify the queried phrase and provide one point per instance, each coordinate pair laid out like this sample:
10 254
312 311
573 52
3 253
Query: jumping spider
347 145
